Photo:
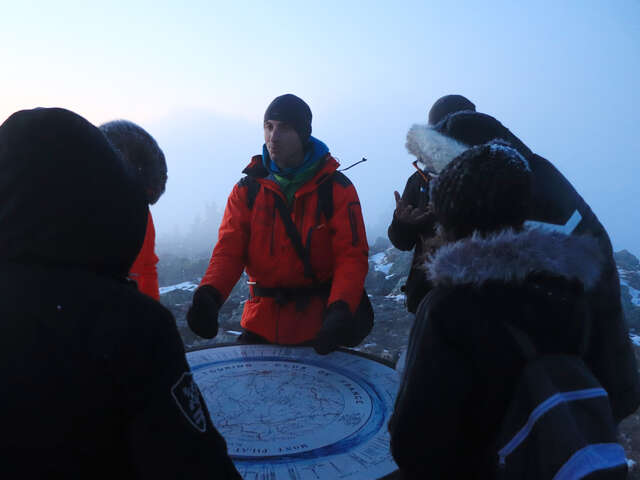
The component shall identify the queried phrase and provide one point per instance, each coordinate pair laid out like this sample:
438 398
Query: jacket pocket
355 221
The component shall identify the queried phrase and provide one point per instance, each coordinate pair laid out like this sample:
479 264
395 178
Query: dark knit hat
66 197
447 105
140 149
487 188
293 110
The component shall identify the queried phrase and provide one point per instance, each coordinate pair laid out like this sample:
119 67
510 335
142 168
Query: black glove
202 316
336 328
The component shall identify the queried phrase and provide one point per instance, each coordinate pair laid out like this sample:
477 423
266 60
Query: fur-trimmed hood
436 145
432 148
509 256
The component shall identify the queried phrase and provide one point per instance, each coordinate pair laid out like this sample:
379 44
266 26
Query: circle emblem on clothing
289 413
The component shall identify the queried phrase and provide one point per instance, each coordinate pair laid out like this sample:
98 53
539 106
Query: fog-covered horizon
207 151
562 76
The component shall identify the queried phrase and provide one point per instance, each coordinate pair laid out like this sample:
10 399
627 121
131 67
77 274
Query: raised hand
407 213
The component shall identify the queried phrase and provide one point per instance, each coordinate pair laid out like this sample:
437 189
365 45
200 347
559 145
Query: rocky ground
387 270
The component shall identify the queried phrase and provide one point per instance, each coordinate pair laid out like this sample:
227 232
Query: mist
562 76
206 153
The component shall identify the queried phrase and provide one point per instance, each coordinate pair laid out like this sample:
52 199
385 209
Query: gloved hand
336 328
202 316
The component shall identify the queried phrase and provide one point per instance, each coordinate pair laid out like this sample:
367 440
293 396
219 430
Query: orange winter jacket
254 238
143 270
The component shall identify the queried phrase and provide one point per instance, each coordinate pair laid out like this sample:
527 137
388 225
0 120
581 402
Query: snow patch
384 268
378 258
635 294
379 264
630 463
234 332
187 286
397 298
389 276
635 339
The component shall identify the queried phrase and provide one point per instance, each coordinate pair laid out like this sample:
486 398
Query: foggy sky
564 78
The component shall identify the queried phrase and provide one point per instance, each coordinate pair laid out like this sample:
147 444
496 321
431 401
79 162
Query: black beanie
447 105
293 110
140 149
487 188
66 197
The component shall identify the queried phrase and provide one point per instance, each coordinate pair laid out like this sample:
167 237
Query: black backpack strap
294 236
325 193
325 199
253 187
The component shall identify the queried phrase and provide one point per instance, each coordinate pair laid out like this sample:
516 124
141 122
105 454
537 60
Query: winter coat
144 271
406 237
95 379
556 205
462 362
253 237
96 384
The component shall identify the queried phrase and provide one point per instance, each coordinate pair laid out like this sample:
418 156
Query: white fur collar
510 256
429 145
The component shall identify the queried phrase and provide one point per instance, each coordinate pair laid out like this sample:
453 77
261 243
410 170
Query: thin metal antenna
353 165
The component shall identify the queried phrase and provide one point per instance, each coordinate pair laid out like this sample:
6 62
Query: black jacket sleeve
428 424
403 235
170 432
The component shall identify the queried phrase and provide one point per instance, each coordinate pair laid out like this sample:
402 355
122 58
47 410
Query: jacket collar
510 257
257 170
426 143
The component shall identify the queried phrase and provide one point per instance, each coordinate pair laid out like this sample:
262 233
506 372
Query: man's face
283 144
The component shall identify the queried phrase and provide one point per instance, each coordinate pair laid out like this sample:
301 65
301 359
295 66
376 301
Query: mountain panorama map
288 413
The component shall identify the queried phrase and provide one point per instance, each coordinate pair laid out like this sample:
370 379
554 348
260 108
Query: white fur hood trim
510 256
426 143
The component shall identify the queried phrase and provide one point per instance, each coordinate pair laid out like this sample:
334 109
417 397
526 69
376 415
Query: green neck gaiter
290 186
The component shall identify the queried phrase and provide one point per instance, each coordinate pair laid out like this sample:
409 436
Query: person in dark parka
95 380
412 223
556 205
462 362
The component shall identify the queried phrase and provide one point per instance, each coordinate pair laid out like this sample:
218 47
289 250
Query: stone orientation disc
288 413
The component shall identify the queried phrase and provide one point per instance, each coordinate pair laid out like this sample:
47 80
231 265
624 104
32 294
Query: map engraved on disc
292 414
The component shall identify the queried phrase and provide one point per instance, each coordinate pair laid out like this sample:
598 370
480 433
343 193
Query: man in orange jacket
140 150
295 224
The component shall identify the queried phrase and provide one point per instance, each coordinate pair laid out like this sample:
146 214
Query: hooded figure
462 361
95 380
557 206
412 223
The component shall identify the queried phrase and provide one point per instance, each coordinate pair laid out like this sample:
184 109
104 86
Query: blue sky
563 76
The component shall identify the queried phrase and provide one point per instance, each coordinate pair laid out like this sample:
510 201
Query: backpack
559 423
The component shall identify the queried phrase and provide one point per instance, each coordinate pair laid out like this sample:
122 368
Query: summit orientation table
289 413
